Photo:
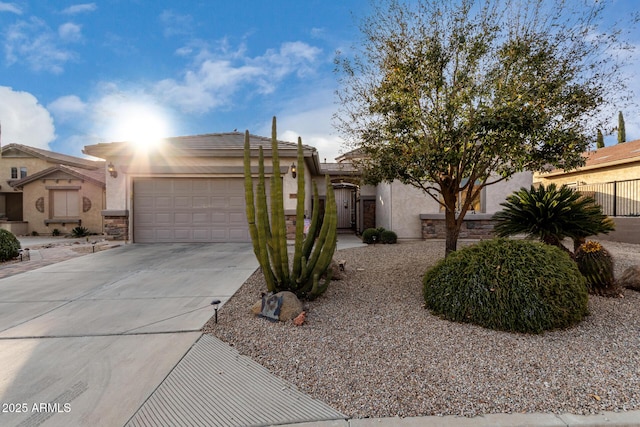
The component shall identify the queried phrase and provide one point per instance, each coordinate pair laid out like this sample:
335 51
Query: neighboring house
611 175
191 189
41 190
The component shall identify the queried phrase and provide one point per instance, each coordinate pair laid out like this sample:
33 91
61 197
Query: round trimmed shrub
9 245
369 234
509 285
388 236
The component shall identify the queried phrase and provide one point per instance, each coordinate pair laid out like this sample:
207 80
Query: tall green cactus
312 253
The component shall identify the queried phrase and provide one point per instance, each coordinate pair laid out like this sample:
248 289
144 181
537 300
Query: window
23 172
476 205
65 203
14 173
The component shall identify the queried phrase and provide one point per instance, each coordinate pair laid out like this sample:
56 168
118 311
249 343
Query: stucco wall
119 189
596 176
92 219
497 193
32 164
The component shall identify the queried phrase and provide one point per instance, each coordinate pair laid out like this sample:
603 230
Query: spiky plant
551 214
596 265
312 253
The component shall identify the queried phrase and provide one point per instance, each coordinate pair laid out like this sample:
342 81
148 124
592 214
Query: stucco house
611 175
41 190
190 189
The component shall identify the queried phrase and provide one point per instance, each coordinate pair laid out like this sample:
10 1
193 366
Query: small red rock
298 321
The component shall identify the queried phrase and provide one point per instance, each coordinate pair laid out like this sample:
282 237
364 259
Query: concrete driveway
86 341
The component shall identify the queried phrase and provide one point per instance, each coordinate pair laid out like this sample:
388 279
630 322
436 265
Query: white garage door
189 210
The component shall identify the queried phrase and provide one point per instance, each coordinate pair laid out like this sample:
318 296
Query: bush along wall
510 285
379 235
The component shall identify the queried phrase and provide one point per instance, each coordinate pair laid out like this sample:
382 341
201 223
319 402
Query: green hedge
9 245
511 285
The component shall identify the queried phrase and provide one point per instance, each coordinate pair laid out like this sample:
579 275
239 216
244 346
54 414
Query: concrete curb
604 419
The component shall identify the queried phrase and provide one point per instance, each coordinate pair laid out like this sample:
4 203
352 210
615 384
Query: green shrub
79 232
596 265
369 234
9 245
388 236
511 285
55 232
35 233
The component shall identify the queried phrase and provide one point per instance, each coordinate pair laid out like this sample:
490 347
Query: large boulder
283 306
630 278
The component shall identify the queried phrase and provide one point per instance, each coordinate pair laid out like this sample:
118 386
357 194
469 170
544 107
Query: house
611 175
191 189
42 190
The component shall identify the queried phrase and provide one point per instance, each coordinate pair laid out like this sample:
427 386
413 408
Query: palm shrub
9 245
551 214
312 253
79 231
510 285
596 265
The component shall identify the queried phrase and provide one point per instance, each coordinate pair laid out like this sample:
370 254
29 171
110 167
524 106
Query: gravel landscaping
369 348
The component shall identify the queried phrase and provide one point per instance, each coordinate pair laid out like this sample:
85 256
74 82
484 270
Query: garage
189 210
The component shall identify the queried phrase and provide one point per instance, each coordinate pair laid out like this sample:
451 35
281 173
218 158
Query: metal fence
617 198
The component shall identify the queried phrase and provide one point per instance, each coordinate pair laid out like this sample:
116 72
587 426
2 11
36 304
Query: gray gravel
370 349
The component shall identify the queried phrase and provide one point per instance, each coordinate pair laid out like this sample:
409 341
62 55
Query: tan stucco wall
398 206
92 219
594 176
32 164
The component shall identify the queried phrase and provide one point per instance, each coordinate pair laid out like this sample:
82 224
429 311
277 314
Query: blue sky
75 74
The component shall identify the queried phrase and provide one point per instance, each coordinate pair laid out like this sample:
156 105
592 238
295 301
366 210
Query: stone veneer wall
116 224
474 226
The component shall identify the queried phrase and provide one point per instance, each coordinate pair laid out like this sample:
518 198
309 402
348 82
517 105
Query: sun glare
141 125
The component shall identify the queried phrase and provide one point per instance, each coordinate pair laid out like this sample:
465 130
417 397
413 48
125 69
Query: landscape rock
630 278
290 307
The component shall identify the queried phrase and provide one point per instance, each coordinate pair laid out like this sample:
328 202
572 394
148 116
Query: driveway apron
88 340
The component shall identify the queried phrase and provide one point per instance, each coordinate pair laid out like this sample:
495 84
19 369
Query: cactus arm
297 254
313 228
331 222
264 233
278 224
327 232
248 197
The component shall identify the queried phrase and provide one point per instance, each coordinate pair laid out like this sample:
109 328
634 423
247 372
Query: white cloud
67 108
10 7
80 8
216 78
24 120
34 43
70 32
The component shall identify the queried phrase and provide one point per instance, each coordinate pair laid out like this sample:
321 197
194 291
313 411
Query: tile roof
230 141
54 157
97 176
619 153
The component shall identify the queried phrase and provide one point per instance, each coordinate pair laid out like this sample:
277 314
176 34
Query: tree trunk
452 225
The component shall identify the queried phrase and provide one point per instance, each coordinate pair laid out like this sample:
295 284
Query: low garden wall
474 226
627 230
